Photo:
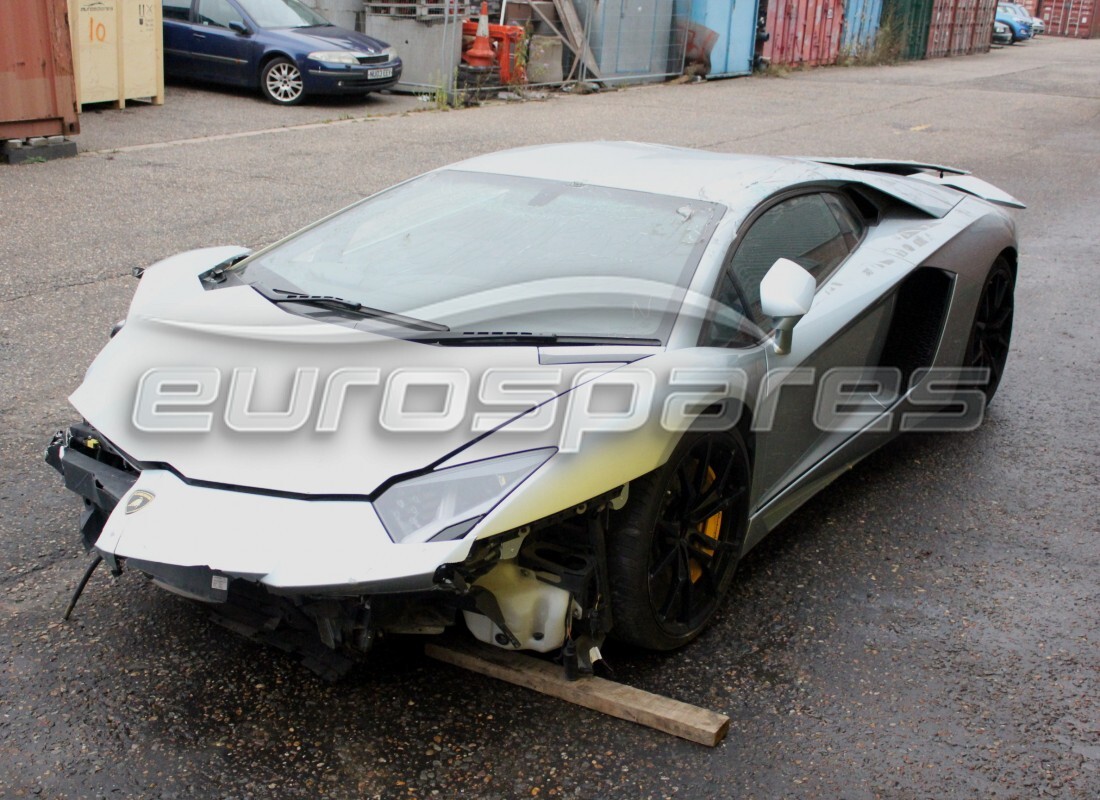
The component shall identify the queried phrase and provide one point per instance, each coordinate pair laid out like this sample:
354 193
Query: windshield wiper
340 304
504 338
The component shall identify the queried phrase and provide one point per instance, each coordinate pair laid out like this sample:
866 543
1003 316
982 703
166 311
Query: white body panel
286 544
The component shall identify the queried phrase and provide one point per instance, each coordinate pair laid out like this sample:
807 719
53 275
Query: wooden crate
118 50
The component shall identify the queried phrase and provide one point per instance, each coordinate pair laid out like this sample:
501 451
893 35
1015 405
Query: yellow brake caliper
711 527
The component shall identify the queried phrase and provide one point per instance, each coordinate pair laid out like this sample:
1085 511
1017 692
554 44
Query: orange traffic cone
480 53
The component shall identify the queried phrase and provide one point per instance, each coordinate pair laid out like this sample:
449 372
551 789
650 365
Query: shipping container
908 21
1077 18
861 25
974 32
721 36
960 27
37 85
803 32
118 50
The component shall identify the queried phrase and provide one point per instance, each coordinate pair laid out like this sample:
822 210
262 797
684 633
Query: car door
819 230
220 53
176 19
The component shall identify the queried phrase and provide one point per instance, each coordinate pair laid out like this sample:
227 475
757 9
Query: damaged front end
93 469
541 587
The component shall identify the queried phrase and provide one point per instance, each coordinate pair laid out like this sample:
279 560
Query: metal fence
428 37
633 41
607 41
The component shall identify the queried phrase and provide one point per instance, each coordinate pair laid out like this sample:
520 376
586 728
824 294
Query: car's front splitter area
291 545
320 577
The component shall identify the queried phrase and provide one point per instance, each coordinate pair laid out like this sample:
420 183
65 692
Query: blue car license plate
385 72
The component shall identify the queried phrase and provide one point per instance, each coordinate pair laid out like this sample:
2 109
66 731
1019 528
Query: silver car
555 394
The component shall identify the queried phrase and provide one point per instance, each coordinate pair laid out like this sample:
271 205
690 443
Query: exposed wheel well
743 426
1010 255
267 59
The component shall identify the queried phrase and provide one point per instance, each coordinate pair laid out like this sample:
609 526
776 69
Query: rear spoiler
974 186
892 167
958 179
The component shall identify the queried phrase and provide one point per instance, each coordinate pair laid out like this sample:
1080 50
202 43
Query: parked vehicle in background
1036 23
287 49
1021 13
1021 29
1002 34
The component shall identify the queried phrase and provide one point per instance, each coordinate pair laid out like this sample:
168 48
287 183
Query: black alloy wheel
673 550
991 334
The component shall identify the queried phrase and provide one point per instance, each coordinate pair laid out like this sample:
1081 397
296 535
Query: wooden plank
615 699
567 13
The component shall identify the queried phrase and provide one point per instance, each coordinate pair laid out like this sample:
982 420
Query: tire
281 82
669 567
991 331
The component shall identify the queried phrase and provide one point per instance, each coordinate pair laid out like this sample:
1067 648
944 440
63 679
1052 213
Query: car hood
170 387
327 37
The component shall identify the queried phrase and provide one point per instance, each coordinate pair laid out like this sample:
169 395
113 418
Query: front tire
281 82
991 332
673 549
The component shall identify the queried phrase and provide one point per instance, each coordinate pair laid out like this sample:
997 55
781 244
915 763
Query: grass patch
883 49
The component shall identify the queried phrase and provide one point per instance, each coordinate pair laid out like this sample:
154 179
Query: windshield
493 253
282 14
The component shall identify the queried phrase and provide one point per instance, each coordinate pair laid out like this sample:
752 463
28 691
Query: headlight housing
337 56
446 504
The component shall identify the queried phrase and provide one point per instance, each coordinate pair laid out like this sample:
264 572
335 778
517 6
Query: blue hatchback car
287 49
1021 28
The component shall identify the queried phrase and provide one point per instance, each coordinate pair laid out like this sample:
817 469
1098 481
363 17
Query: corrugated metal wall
1079 18
804 33
974 33
960 27
909 20
939 28
861 24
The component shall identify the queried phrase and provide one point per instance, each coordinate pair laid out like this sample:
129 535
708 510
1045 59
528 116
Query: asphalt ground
928 627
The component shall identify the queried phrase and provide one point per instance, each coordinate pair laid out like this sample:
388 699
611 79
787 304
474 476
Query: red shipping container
37 86
960 27
1078 18
804 33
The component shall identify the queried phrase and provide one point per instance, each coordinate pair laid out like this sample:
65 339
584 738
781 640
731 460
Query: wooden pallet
615 699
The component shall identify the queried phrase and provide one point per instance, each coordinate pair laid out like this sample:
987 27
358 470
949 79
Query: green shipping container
912 20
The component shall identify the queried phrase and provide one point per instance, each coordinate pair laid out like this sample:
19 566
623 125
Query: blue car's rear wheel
673 549
281 82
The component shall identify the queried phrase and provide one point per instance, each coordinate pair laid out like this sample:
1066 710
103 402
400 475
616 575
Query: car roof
739 182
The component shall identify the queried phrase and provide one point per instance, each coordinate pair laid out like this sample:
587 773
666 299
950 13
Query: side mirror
239 27
786 293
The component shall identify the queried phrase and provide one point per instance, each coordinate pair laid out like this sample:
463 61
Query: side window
217 12
728 324
176 9
815 230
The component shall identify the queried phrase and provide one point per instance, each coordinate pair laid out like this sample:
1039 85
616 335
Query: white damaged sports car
554 393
